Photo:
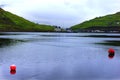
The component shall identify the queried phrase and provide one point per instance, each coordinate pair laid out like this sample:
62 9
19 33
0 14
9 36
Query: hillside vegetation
106 22
12 22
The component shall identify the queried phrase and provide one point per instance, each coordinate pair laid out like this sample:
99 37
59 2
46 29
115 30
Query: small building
58 29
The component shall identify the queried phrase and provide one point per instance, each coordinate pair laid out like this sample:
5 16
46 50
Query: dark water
59 56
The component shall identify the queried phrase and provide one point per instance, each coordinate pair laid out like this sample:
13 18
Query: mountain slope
12 22
105 22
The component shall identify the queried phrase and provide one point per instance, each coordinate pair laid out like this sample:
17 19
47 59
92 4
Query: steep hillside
108 22
12 22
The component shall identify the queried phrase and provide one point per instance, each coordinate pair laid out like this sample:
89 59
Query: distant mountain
108 23
12 22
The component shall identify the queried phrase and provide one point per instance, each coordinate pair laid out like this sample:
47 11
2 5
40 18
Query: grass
12 22
105 21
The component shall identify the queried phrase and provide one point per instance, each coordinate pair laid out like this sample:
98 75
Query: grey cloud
2 5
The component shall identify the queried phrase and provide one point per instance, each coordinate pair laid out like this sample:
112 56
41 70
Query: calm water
59 56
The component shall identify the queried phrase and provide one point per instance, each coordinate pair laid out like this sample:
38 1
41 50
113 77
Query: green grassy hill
106 22
12 22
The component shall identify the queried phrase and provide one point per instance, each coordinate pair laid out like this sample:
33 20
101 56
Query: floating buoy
13 67
111 51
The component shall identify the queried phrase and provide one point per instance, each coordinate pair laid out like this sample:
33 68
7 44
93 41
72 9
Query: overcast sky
64 13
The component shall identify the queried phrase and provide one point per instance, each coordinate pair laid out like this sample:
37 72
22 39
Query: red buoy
13 67
111 51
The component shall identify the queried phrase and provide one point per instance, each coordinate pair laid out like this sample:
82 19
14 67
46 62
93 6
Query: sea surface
59 56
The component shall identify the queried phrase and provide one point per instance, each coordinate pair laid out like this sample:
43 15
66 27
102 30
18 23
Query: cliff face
105 23
12 22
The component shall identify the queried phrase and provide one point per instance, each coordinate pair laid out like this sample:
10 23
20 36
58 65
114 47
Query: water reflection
103 36
12 72
8 42
111 55
110 42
